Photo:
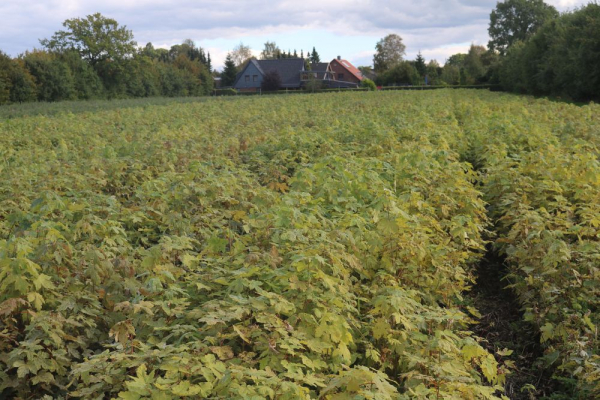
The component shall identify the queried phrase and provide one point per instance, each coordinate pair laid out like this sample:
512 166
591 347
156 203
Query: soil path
502 326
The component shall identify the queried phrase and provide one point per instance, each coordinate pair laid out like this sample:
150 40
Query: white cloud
565 4
350 27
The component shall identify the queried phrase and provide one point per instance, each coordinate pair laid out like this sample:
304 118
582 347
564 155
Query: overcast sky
350 28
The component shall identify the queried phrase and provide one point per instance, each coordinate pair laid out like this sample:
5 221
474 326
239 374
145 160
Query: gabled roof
239 75
350 68
257 64
287 68
319 67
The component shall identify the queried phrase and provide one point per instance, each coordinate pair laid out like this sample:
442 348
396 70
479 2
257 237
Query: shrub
313 85
369 84
271 81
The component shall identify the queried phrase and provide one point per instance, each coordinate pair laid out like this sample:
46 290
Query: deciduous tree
560 59
389 52
473 64
53 77
18 84
403 73
240 54
433 72
270 51
95 37
515 20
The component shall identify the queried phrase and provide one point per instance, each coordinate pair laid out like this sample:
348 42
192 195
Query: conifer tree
229 72
314 57
420 65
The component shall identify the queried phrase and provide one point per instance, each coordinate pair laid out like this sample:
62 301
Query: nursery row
318 246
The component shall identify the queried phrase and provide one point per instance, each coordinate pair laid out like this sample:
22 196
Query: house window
340 76
247 78
254 78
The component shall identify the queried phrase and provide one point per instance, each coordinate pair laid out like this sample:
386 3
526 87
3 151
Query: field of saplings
298 247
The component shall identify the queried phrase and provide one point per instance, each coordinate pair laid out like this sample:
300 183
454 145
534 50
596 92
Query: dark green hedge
493 88
233 92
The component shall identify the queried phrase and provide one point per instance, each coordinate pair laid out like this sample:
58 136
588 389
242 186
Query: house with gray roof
292 72
289 69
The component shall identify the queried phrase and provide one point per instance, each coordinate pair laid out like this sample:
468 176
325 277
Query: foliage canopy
389 52
95 37
517 20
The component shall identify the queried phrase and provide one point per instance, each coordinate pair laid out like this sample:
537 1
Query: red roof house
345 71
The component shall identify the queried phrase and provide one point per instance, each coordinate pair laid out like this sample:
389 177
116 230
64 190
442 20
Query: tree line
390 68
533 49
559 55
96 58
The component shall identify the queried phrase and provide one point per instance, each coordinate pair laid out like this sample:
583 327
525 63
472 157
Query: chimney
339 58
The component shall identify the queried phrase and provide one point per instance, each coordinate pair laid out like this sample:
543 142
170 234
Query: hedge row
493 88
233 92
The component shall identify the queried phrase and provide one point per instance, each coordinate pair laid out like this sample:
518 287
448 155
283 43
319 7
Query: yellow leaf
223 352
242 334
36 299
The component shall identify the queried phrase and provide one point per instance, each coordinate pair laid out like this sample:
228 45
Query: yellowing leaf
223 352
241 333
36 299
185 388
489 367
381 328
547 332
122 331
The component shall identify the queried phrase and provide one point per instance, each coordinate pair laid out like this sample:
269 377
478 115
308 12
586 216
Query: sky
346 28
